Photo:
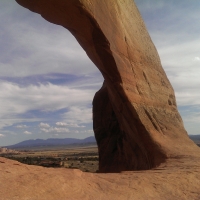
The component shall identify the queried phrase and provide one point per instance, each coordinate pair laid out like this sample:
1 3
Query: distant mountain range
52 142
67 142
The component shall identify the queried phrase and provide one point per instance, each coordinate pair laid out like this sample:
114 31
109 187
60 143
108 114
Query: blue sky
47 82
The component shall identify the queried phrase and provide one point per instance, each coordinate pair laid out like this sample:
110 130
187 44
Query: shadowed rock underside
136 122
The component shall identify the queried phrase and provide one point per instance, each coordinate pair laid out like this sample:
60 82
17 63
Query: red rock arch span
136 122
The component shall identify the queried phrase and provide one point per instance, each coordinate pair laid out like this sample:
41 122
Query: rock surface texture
136 122
179 181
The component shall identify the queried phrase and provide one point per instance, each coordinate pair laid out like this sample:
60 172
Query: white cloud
69 125
36 44
21 126
85 131
78 114
197 58
182 71
27 133
61 124
44 125
9 120
191 97
1 135
16 100
48 129
55 130
76 126
59 130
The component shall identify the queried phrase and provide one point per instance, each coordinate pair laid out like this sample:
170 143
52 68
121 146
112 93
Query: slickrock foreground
180 181
136 122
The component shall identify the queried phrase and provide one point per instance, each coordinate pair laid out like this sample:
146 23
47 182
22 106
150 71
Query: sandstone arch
136 121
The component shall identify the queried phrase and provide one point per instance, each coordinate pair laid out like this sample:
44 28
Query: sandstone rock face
26 182
136 121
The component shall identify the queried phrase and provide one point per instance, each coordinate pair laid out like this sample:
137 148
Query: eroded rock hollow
136 122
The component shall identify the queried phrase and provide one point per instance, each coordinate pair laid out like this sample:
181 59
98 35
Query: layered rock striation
136 122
